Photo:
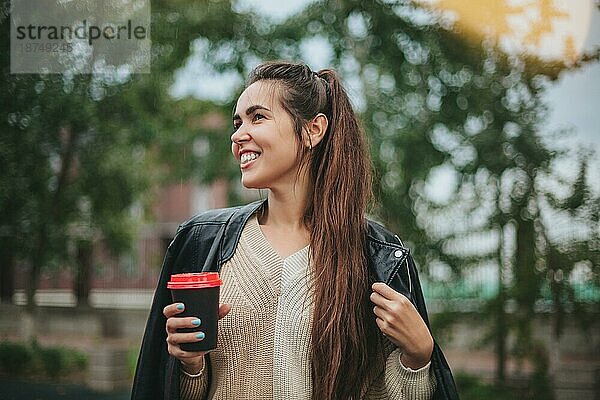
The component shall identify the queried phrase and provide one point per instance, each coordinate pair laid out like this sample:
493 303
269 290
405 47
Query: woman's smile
248 159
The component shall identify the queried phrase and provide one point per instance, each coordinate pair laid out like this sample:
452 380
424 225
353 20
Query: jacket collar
387 254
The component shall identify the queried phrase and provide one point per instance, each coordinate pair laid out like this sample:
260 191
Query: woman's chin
252 184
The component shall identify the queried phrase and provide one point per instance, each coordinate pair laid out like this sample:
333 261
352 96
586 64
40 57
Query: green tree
71 164
81 150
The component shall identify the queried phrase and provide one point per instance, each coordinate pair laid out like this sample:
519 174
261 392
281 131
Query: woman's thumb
224 309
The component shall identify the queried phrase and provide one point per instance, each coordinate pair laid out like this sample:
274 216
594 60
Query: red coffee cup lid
196 280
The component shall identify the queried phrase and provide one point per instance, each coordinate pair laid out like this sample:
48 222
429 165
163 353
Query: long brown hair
345 338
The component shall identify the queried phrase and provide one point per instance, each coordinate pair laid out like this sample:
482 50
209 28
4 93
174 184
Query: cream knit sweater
263 343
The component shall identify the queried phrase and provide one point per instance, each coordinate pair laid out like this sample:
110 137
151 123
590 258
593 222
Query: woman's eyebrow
251 109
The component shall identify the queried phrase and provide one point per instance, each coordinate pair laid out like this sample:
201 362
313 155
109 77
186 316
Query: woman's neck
284 211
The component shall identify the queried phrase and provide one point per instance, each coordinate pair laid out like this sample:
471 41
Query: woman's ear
315 130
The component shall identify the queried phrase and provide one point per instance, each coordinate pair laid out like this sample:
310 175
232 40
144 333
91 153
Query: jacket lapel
233 230
389 263
388 259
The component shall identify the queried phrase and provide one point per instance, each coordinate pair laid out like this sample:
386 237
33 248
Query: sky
574 103
575 98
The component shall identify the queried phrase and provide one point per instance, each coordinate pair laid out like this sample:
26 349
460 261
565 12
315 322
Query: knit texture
263 345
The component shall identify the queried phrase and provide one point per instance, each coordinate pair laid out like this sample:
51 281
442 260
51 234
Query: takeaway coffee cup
200 294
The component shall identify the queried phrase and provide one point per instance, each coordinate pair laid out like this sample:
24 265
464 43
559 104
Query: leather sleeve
194 249
151 365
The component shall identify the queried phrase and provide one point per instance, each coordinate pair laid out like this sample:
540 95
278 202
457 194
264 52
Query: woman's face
263 141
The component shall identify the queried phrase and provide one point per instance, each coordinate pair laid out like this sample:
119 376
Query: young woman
318 302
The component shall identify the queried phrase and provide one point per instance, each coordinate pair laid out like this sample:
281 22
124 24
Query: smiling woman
318 302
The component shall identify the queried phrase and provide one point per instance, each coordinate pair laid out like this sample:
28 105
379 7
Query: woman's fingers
399 320
174 349
176 308
384 327
189 337
380 301
386 291
391 301
176 338
173 309
175 323
379 312
224 309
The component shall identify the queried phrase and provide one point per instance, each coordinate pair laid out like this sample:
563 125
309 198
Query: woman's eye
255 117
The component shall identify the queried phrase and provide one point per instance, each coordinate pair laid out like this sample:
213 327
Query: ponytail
344 331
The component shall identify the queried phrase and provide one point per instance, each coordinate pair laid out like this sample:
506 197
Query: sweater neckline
261 245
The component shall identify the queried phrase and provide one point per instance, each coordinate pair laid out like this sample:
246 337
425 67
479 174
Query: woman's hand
193 361
400 321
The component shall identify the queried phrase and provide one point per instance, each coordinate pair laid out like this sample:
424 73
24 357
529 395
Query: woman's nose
240 135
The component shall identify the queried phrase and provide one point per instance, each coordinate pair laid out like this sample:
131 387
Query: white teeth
248 157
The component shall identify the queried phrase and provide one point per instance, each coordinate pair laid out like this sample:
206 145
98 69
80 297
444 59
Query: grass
31 360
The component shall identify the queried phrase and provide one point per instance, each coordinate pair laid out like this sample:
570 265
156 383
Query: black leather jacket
206 242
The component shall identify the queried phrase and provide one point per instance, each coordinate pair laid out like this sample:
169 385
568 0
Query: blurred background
483 119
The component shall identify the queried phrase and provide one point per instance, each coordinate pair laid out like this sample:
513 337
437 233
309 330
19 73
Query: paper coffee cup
200 294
